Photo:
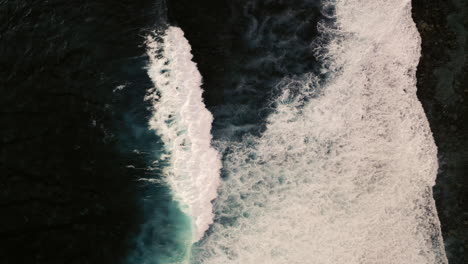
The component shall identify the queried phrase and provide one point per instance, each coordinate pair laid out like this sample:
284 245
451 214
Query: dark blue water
268 41
79 183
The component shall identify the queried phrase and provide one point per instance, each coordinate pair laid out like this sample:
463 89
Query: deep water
74 137
78 178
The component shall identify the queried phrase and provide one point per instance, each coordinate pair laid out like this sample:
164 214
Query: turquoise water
164 232
165 237
297 168
306 170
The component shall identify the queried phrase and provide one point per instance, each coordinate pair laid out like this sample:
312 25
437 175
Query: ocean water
184 124
320 152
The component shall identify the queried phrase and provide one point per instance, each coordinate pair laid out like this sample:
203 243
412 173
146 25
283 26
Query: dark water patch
67 193
243 49
206 26
442 82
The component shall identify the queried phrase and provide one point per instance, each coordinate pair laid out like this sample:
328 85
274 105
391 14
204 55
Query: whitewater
342 173
183 123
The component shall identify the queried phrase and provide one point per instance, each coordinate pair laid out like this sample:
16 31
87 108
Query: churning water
342 171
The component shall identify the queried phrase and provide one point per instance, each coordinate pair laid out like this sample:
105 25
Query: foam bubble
343 173
184 124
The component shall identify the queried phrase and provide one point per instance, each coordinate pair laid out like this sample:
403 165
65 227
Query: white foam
184 124
345 176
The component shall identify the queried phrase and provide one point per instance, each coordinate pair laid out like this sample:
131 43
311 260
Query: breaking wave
183 123
343 172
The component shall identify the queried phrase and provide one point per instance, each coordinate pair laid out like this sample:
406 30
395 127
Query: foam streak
345 176
184 124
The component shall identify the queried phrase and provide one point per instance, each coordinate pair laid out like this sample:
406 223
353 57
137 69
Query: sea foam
183 123
344 171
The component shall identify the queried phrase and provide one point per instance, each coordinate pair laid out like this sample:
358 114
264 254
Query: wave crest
184 124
